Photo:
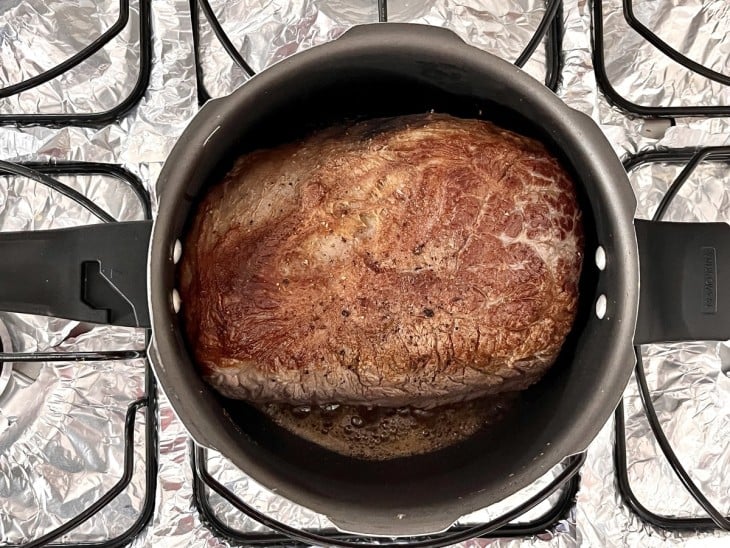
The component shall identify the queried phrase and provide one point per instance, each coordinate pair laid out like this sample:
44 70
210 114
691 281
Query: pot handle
685 282
95 273
392 31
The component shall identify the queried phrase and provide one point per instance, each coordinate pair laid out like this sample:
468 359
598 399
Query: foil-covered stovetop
61 433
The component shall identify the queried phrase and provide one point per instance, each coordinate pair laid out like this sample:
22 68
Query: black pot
378 70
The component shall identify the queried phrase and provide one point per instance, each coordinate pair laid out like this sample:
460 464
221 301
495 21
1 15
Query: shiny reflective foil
61 441
691 395
268 31
250 491
62 423
37 35
640 73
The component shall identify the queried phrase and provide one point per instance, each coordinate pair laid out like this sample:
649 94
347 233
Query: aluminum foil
61 461
700 30
301 517
36 35
691 395
268 31
62 427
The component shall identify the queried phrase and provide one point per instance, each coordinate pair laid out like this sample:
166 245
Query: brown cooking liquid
382 433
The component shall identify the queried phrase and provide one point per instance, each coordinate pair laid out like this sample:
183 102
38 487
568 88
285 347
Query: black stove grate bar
551 25
670 523
618 100
110 495
551 10
50 182
75 59
203 95
41 172
92 119
283 535
554 51
148 402
71 356
223 38
716 520
668 50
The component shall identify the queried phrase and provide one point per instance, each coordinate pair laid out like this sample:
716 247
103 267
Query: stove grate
43 173
690 158
550 26
612 94
92 119
283 535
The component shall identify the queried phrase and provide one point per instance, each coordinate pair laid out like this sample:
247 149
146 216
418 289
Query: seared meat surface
417 260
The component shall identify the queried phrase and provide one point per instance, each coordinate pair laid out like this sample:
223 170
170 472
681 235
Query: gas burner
124 402
6 368
14 376
560 484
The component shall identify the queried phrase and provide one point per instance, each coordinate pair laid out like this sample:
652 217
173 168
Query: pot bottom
382 433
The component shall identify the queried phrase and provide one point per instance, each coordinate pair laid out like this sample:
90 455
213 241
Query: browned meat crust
414 260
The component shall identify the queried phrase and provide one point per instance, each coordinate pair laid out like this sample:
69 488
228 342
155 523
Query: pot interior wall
487 459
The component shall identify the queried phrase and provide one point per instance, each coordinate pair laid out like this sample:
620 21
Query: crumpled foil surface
60 438
36 35
62 424
267 32
645 78
250 491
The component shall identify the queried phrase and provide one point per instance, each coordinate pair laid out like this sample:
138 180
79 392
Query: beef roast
417 260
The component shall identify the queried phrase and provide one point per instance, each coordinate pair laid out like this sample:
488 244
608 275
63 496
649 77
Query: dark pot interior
358 96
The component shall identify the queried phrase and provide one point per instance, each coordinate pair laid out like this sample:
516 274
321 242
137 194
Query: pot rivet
601 304
601 258
176 252
176 301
